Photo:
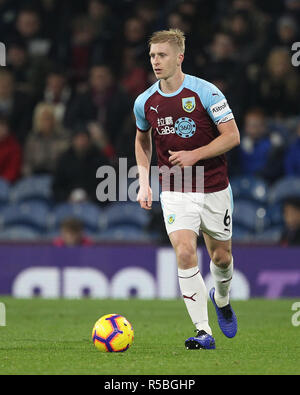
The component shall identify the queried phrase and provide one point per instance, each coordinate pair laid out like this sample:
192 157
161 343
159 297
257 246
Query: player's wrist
144 186
198 154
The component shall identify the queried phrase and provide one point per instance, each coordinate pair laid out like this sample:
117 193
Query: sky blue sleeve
215 103
139 112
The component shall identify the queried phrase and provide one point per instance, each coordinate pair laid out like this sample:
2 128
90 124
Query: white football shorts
207 212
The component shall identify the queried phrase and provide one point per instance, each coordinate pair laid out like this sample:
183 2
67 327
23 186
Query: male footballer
193 126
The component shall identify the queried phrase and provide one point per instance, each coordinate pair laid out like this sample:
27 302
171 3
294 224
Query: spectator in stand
132 37
247 41
292 158
148 12
75 175
14 105
135 35
287 32
58 93
75 50
257 17
101 18
72 234
28 27
259 146
18 63
81 49
104 104
293 8
45 143
135 76
10 153
221 59
29 72
220 65
291 215
8 13
278 88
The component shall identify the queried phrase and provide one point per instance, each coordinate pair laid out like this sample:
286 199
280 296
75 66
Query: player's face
165 60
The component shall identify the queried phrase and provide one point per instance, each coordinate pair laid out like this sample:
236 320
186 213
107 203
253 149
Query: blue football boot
202 341
226 317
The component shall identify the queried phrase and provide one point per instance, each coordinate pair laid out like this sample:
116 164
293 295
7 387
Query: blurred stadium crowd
73 72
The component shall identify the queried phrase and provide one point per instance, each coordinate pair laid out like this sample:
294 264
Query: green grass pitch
54 337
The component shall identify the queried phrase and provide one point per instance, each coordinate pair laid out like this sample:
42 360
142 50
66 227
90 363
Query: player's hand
144 197
183 158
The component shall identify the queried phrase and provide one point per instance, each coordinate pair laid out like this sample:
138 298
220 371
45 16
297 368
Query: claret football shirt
185 120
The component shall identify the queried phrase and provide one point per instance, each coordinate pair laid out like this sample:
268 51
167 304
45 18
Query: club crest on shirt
189 104
171 219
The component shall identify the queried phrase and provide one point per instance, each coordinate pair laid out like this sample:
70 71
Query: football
112 333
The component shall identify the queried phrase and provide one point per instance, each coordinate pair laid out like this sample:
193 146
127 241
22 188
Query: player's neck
172 84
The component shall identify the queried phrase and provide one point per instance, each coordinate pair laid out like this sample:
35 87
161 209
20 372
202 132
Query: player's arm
143 154
229 138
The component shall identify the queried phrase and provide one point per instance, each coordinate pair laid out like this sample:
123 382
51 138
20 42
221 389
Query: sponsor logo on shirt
185 127
154 108
165 126
189 104
165 130
220 108
167 121
225 119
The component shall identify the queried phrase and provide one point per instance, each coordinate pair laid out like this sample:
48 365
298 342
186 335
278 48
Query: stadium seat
249 215
34 187
89 213
20 233
124 233
34 214
249 188
4 191
126 213
52 234
271 235
274 216
241 234
285 188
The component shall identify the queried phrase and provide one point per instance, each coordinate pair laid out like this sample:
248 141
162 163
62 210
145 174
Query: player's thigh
184 243
216 215
220 252
180 212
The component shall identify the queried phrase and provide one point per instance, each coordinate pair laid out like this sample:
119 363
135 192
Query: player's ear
180 59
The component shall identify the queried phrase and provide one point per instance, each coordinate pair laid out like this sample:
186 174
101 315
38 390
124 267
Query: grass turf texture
54 337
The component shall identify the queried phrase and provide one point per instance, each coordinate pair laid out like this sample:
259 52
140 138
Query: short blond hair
38 112
173 36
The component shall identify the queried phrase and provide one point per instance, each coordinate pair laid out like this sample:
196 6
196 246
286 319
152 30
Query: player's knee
186 256
222 258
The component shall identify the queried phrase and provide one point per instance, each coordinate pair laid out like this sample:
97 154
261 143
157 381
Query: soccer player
193 126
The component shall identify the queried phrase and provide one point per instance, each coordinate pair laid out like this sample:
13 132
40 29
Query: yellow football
112 333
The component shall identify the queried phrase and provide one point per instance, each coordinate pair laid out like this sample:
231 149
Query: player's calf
222 276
